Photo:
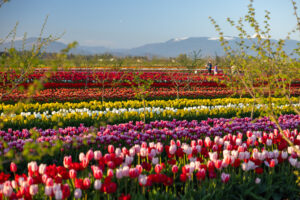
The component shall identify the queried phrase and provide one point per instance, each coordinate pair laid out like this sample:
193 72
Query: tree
263 68
3 2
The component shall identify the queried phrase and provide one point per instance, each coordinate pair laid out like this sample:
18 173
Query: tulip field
65 143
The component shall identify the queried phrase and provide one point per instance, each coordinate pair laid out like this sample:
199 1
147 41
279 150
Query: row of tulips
93 76
136 133
113 93
106 106
50 85
83 79
217 167
117 93
109 76
74 117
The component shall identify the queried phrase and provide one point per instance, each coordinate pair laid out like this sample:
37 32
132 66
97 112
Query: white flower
257 180
154 160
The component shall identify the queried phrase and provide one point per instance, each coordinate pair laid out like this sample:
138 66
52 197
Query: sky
132 23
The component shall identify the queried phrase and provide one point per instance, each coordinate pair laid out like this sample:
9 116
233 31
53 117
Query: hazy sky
130 23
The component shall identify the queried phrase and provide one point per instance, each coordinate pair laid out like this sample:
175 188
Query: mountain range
172 48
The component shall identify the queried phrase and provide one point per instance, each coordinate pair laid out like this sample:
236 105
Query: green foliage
140 87
263 66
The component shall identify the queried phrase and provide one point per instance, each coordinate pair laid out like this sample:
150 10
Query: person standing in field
209 67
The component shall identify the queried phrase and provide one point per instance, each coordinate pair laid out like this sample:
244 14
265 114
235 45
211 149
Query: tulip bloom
67 161
225 177
13 167
174 169
77 193
97 184
72 174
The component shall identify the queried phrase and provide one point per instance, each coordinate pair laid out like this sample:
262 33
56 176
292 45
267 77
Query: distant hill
171 48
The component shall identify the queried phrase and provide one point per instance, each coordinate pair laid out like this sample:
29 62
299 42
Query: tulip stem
126 186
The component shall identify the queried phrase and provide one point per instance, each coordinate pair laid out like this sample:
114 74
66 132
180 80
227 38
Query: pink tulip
7 190
48 190
132 152
97 155
58 194
225 177
269 142
154 161
284 155
172 149
143 180
128 160
33 189
125 171
213 156
119 173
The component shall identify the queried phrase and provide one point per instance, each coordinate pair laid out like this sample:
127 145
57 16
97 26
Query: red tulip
225 177
13 167
79 183
183 177
85 162
125 197
98 174
210 165
133 173
201 174
158 168
174 169
111 149
218 164
90 155
72 174
259 170
86 183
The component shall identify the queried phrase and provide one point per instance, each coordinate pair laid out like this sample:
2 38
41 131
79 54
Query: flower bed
227 167
74 117
136 133
113 94
105 106
110 77
78 95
